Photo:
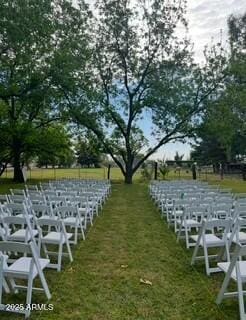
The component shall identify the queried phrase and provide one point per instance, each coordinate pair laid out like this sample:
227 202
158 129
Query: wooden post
156 169
244 171
109 167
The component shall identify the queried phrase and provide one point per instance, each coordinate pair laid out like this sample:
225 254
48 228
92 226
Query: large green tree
145 77
43 44
222 134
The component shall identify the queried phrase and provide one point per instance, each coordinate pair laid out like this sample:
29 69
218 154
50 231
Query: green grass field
83 173
129 241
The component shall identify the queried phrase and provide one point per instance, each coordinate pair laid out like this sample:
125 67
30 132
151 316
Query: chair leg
1 279
82 231
69 251
76 234
45 251
5 286
59 257
195 252
240 294
13 285
223 288
187 238
45 285
206 259
85 221
29 292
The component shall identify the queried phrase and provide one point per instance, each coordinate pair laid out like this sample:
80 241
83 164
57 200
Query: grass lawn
130 233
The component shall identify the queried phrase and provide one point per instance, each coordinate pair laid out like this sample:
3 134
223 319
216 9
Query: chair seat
210 239
241 237
21 267
190 223
23 215
20 235
54 237
178 212
71 221
45 217
224 266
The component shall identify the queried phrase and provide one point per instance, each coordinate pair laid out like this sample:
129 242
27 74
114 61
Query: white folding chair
58 236
207 238
29 267
43 211
236 271
84 209
191 219
238 233
19 229
18 198
17 192
17 209
4 199
72 218
36 199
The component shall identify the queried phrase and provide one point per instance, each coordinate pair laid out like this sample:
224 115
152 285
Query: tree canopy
42 43
145 76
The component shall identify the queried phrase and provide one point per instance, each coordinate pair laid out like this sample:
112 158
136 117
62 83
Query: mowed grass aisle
129 241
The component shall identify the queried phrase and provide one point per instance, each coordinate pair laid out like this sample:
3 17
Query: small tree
147 172
163 168
178 159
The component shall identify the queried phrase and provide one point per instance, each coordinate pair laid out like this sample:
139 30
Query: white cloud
207 18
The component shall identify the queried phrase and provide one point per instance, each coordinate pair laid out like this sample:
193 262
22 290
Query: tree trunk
18 175
128 175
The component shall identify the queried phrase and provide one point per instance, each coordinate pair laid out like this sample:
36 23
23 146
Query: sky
207 22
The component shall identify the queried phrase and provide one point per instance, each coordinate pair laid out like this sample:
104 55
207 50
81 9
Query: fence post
244 171
109 167
155 173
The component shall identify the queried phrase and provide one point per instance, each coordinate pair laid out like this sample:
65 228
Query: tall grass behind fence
74 173
115 174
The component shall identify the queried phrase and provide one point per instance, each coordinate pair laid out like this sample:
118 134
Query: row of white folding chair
86 210
54 200
193 215
173 210
91 186
234 268
229 232
55 234
71 215
192 218
87 207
